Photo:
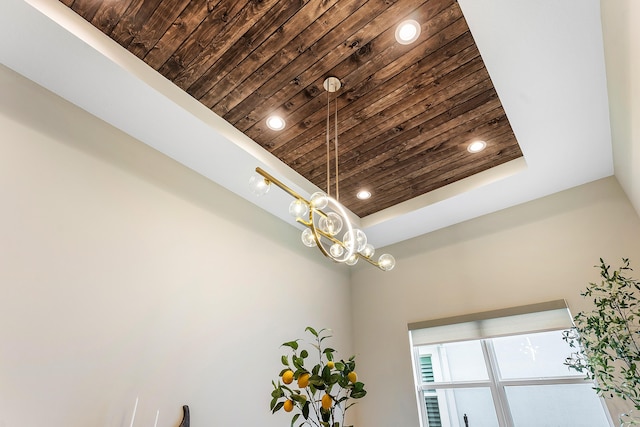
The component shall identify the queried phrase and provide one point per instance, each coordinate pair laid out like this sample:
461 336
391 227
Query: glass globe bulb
368 250
355 239
308 238
258 185
386 262
319 200
336 250
331 224
352 260
298 209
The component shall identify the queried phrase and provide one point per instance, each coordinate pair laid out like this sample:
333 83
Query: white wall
539 251
124 274
621 35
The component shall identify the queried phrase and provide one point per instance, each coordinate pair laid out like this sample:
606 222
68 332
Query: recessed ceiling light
408 31
275 122
363 194
476 146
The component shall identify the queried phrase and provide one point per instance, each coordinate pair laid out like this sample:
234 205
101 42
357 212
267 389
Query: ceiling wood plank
133 20
341 59
232 33
86 8
301 50
426 71
246 46
312 129
210 35
281 39
405 159
390 123
179 31
109 14
436 134
157 25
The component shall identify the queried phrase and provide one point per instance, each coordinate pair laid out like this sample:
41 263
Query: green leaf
313 331
298 398
326 375
305 410
277 407
284 360
292 344
304 354
273 403
298 362
294 419
358 394
335 378
316 380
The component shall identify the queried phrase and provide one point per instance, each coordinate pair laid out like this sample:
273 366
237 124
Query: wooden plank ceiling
406 112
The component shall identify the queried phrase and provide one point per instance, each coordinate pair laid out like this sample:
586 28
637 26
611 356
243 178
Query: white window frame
496 384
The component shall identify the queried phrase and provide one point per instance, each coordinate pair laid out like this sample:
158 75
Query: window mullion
497 389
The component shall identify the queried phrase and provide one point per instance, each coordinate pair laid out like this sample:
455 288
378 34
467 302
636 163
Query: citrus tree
607 339
320 393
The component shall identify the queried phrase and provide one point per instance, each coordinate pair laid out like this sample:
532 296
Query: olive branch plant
323 391
607 340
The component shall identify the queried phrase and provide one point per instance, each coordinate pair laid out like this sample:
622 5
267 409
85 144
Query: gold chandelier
324 216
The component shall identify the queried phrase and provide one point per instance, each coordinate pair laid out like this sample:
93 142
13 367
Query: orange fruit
330 364
288 405
287 377
303 380
326 402
353 377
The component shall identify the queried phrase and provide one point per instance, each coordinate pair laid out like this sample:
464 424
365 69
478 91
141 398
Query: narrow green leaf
326 375
298 398
292 344
305 410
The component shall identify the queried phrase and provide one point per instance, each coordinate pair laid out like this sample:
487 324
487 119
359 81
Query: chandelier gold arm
270 179
316 232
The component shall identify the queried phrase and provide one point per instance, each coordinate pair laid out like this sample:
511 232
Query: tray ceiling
406 112
545 59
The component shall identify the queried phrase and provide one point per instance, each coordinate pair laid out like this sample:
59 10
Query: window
501 369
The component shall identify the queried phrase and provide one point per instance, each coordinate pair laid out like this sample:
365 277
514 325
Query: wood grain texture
406 112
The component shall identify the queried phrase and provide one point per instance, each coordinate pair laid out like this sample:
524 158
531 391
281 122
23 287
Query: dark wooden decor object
185 419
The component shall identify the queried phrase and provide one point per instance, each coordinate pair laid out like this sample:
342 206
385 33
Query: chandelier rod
336 145
332 85
328 145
